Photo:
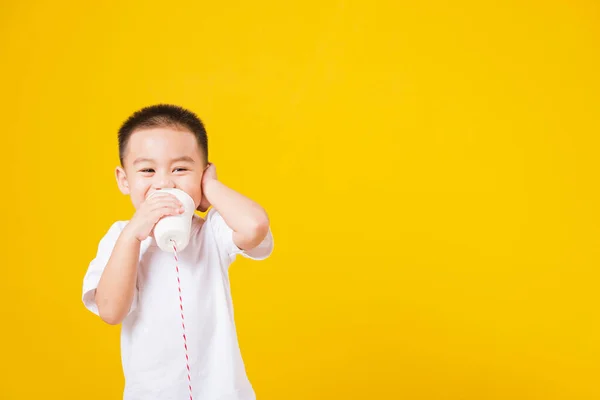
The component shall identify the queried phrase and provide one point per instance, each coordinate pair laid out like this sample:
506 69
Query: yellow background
430 169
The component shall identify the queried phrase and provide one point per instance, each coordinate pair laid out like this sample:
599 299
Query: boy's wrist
208 188
128 236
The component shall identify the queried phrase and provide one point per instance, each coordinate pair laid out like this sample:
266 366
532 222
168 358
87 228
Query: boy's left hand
210 173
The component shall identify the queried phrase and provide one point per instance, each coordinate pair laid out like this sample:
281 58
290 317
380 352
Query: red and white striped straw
187 359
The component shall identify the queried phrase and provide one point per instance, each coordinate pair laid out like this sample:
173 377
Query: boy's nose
163 184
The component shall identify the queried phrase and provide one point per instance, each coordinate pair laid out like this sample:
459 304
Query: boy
131 281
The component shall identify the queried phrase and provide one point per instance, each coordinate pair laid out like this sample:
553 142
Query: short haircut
163 116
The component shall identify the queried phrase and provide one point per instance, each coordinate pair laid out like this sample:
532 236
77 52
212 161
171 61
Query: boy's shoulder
198 221
114 230
209 224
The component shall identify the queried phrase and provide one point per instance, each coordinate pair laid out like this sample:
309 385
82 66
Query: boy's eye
151 170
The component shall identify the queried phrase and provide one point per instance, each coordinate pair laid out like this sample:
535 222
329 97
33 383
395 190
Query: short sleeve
97 265
224 237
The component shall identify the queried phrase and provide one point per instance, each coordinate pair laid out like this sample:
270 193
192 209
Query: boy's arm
247 219
115 291
116 288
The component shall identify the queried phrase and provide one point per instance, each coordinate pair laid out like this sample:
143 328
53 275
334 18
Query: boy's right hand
150 212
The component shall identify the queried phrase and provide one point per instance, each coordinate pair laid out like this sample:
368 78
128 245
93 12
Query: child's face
159 158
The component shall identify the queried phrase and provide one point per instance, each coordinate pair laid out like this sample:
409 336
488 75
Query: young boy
131 281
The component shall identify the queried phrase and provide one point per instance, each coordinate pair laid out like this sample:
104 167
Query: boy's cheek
197 198
195 192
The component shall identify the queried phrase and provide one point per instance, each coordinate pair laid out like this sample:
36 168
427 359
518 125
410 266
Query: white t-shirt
152 350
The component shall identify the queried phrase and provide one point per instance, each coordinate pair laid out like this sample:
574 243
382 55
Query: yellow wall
430 170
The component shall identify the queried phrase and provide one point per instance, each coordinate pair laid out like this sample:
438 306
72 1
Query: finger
156 197
165 211
171 207
165 201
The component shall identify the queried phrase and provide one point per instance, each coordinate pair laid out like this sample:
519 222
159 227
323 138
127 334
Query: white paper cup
175 228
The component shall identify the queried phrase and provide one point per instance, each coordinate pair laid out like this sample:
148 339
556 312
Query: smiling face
159 158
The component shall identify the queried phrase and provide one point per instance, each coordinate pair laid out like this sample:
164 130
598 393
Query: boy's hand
151 211
210 173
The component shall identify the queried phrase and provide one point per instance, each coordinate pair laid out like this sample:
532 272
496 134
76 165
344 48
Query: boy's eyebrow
183 158
178 159
141 160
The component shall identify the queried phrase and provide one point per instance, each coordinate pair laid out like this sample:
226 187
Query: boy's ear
122 180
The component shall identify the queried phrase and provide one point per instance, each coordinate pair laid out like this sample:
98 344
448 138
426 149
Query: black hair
163 115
